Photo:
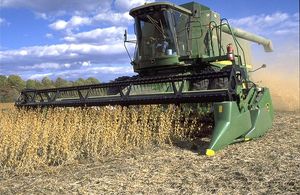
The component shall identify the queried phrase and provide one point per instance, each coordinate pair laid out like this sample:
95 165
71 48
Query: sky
75 38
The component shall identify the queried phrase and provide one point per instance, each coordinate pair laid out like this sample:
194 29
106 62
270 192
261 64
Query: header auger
184 55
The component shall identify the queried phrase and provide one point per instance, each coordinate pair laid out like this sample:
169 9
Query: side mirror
125 36
128 41
262 66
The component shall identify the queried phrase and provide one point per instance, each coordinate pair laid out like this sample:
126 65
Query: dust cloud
281 75
283 85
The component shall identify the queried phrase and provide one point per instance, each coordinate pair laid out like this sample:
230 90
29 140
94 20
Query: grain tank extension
184 55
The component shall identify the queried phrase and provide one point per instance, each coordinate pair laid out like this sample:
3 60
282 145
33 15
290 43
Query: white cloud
265 20
98 36
49 35
69 61
86 63
64 54
127 5
46 6
59 25
62 50
47 66
103 72
96 51
67 65
3 22
39 76
111 70
23 53
107 72
113 18
41 15
109 17
74 22
277 23
79 21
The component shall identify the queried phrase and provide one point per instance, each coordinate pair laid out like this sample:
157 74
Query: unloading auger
184 54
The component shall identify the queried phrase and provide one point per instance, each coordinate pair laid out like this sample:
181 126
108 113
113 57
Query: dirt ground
269 165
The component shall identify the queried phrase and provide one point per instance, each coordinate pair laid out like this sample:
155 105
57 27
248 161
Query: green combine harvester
185 55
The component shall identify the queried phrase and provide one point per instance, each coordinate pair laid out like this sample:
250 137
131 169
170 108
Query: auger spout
266 43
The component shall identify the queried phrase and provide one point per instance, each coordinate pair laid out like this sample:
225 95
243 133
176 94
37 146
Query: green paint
232 124
167 32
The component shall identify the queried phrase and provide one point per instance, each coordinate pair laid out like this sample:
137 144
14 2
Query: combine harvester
184 55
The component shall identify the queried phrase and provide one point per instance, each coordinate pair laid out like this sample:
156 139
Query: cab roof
157 6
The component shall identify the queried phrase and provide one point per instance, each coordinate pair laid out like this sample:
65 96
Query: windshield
157 34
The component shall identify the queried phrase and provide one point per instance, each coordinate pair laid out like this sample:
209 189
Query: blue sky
75 38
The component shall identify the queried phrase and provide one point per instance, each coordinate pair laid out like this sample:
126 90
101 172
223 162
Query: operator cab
161 35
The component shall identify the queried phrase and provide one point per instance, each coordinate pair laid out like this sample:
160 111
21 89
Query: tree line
11 86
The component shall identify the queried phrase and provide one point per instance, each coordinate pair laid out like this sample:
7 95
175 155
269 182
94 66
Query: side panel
262 117
199 40
230 124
